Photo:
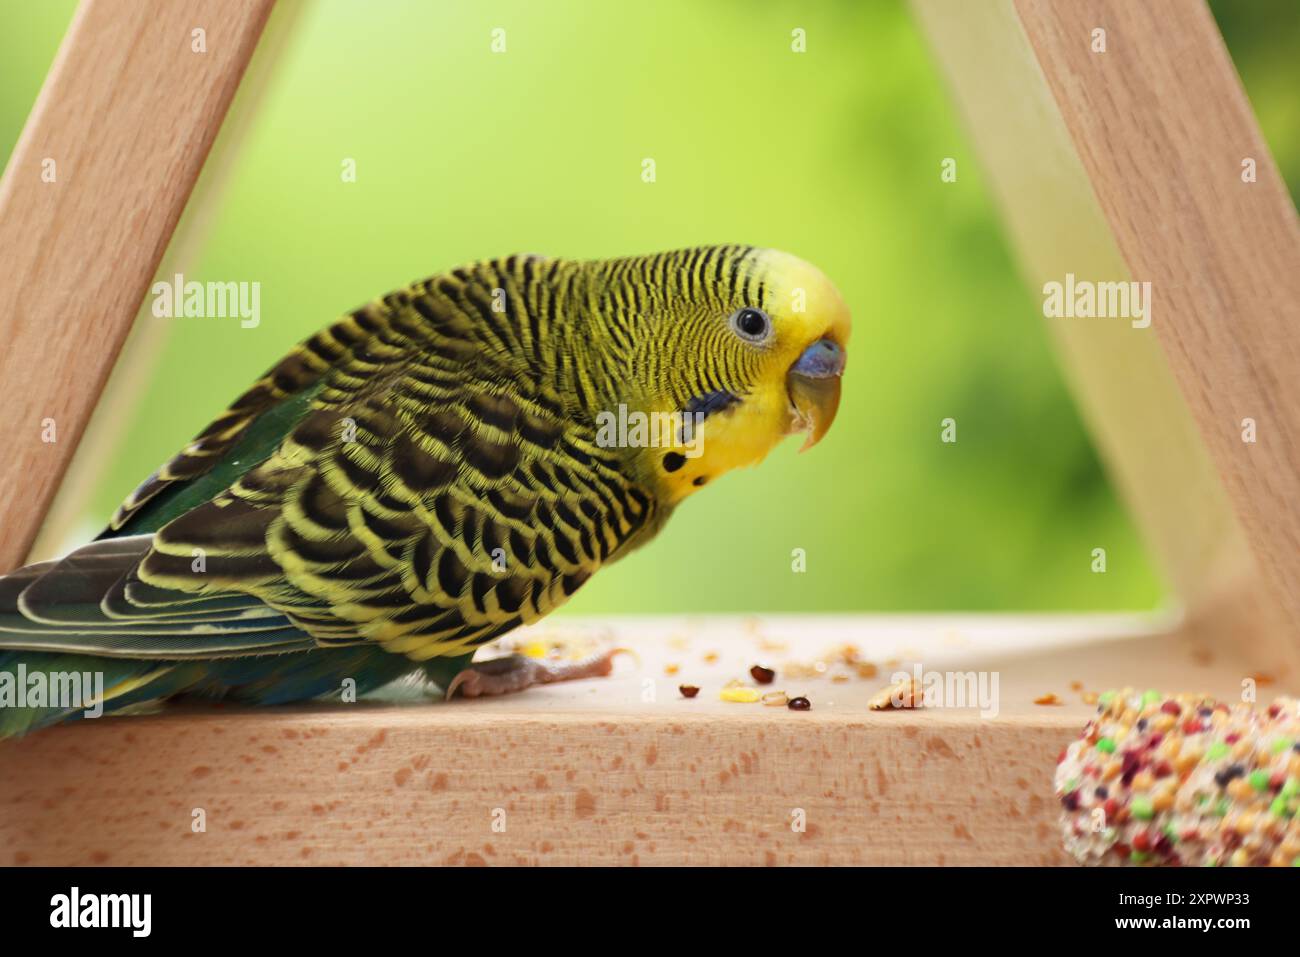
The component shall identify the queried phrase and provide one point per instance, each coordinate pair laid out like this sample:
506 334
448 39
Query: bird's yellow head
737 347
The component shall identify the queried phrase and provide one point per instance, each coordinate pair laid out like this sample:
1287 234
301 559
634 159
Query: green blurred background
832 154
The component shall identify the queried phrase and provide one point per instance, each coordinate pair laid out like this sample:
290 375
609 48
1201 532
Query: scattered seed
800 704
902 694
1048 699
776 699
671 669
688 691
762 675
739 695
710 657
867 670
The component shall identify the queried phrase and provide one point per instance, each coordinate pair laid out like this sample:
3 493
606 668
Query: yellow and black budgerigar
428 473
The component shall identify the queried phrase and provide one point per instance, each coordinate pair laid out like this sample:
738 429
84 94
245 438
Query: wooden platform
594 773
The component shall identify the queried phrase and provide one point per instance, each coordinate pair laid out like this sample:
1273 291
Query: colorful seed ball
1157 780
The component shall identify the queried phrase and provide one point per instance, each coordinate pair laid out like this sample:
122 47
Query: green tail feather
263 680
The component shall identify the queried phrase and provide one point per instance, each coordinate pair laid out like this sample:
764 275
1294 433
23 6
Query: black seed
763 676
799 704
1224 777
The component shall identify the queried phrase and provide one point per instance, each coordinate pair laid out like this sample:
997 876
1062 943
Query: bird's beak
814 386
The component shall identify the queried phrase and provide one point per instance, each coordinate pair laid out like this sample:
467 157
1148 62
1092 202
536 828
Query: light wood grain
1126 165
131 373
128 114
621 770
393 787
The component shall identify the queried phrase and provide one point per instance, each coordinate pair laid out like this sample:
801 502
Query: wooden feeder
1115 166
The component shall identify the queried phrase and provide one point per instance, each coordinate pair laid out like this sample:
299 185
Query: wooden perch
618 770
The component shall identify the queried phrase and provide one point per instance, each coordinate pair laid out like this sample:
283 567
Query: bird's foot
511 673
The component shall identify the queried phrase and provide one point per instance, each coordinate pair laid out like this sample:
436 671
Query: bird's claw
511 673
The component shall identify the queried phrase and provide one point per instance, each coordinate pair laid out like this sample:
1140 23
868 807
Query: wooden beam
1127 165
88 203
387 787
616 770
131 374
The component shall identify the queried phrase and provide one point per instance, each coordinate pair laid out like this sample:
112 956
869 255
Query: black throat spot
700 407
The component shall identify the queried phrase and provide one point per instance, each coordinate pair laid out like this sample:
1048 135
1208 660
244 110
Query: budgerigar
428 473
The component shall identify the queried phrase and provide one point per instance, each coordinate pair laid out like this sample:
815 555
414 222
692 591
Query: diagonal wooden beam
88 204
1126 164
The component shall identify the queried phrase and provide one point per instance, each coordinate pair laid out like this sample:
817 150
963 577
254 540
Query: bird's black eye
752 324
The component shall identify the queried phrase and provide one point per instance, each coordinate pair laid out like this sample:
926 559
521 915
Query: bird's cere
821 360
